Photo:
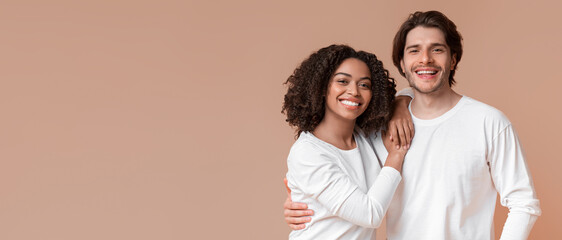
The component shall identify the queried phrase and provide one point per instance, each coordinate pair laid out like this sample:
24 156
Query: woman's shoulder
308 147
307 142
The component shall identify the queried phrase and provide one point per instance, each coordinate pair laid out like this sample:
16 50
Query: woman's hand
395 156
401 127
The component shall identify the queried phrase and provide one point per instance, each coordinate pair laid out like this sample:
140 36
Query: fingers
407 136
300 214
393 131
290 205
408 129
297 218
402 134
296 214
412 130
296 226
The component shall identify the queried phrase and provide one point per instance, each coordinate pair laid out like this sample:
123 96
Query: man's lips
426 71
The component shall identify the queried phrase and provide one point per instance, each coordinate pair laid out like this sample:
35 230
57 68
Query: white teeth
349 103
426 72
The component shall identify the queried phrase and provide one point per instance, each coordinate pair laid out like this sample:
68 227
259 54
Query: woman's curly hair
305 102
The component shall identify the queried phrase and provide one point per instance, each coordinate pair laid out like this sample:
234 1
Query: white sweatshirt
456 166
333 182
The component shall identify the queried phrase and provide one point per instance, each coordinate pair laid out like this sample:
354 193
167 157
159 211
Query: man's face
427 60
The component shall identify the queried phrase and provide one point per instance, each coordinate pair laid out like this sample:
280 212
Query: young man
464 152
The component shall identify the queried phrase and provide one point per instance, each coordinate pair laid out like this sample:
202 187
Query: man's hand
401 127
296 214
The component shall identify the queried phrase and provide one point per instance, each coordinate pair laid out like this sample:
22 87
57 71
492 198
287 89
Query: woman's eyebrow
342 73
349 75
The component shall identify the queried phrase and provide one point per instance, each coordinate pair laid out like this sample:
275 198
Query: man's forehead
425 35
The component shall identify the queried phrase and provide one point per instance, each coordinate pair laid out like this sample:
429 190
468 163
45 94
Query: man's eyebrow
439 45
433 45
412 46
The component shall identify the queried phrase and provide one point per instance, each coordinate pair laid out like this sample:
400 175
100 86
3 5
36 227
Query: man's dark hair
305 103
430 19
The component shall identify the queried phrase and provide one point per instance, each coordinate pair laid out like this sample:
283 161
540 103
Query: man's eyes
437 50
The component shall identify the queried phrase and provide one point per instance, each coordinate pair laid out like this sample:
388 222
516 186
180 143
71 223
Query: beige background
161 119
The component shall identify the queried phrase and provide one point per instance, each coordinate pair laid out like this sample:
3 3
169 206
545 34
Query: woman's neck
338 132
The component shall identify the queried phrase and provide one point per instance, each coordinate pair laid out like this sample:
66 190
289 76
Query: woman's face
349 90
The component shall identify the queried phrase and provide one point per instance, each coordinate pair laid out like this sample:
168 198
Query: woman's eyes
365 85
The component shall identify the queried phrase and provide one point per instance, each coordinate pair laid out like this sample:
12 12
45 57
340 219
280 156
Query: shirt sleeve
317 175
513 182
406 92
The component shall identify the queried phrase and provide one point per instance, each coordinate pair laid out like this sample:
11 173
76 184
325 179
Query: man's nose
426 57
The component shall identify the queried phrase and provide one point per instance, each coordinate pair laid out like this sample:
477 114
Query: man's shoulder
484 111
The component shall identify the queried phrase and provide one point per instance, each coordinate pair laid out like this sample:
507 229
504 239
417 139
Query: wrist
397 154
395 160
403 100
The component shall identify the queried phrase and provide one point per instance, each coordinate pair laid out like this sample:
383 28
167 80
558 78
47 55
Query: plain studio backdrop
161 119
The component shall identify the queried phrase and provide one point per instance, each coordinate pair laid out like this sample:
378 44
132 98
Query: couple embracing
356 158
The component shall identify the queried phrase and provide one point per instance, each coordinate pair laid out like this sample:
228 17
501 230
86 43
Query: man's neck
435 104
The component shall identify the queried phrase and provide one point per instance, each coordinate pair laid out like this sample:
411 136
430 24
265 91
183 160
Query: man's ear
402 66
453 61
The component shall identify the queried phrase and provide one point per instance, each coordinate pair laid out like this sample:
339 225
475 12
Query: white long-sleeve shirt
333 182
456 166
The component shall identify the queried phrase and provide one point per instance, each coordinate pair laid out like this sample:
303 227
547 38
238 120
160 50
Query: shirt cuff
406 92
392 174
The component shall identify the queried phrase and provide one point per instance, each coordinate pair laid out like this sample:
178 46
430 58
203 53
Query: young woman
336 98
